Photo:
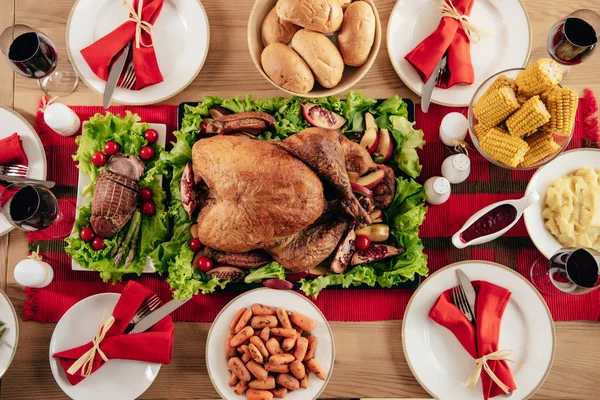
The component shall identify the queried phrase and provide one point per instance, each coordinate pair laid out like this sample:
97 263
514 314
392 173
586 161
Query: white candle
437 190
61 119
33 273
456 168
453 129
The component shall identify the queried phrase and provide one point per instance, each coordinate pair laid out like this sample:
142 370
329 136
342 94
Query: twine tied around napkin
46 101
86 361
141 25
472 31
500 355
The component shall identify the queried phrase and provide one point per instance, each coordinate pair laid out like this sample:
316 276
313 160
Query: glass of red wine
572 40
33 55
570 270
32 207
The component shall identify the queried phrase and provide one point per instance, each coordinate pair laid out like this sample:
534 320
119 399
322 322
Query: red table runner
487 184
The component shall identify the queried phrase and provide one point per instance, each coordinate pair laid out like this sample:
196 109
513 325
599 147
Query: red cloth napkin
449 36
101 54
490 305
11 152
154 345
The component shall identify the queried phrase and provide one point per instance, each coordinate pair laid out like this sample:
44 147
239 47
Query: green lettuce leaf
408 139
359 275
269 271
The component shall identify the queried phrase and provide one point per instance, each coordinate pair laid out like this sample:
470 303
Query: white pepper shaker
453 129
456 168
61 119
437 190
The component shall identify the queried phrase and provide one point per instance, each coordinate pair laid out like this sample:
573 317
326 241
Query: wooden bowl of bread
314 48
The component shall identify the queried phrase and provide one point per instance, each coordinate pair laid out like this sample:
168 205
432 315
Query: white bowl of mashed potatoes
568 213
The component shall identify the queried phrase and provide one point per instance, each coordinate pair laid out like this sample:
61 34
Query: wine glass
33 207
574 39
33 55
570 270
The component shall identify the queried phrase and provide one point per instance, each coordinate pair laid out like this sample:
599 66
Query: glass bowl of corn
522 118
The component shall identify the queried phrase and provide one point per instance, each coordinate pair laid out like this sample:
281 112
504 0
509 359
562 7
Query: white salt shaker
33 272
61 119
437 190
453 129
456 168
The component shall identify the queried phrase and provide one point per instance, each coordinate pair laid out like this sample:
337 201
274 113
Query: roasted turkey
289 201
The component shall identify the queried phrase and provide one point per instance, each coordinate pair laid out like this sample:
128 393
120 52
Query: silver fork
14 169
129 78
150 304
443 75
460 301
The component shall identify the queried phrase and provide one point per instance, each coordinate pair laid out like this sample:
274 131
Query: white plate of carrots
269 344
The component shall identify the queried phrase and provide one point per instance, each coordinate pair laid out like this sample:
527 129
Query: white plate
411 21
10 339
216 362
181 34
116 379
32 145
83 180
439 362
565 164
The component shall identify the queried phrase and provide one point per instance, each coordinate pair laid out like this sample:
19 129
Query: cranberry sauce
491 222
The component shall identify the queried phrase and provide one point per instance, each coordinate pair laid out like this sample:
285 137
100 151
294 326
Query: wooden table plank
370 362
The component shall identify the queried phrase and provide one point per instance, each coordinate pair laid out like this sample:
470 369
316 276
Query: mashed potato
571 210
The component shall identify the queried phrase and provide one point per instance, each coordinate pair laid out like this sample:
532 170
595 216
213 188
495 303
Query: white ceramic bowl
216 362
562 165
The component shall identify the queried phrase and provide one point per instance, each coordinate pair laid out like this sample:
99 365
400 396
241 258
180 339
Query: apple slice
353 176
371 180
385 147
375 232
321 117
370 122
317 271
375 253
356 188
370 140
344 253
376 216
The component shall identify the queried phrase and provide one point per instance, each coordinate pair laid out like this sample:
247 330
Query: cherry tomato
151 136
111 148
148 208
99 159
87 234
362 242
195 244
146 194
98 243
147 153
204 264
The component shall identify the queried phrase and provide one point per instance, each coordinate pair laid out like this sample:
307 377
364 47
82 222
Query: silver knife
151 319
429 85
467 286
22 179
113 76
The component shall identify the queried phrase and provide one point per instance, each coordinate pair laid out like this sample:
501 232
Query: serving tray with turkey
297 193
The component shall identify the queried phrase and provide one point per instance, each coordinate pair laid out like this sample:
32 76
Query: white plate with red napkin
169 59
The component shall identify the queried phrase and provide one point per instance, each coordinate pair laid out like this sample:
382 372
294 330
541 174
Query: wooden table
370 362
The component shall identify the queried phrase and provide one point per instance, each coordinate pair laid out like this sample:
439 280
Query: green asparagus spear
121 235
133 226
133 249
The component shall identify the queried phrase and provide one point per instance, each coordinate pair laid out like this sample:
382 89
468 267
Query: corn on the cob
541 144
502 146
562 105
499 83
480 131
528 118
539 77
494 108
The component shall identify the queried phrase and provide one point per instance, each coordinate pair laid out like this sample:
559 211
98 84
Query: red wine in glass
574 39
570 270
33 55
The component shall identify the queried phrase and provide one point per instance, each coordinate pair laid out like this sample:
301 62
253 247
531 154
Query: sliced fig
226 272
370 140
344 253
279 284
218 111
375 252
385 148
296 276
375 232
376 216
321 117
188 192
317 271
356 188
371 180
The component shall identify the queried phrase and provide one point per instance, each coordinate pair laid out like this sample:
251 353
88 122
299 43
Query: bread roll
286 68
321 55
317 15
357 34
345 3
274 30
